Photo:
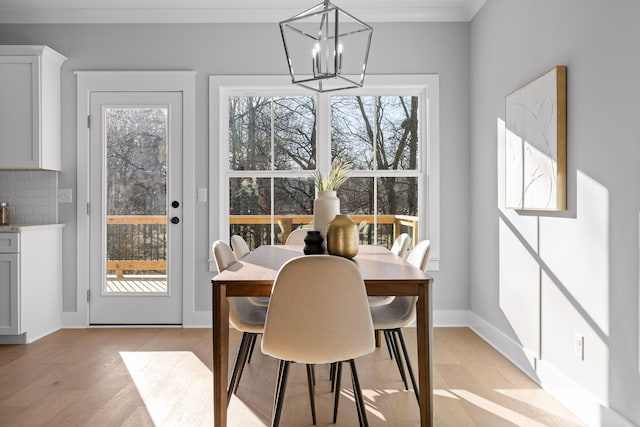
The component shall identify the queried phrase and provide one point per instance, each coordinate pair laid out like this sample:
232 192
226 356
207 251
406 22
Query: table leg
424 330
220 309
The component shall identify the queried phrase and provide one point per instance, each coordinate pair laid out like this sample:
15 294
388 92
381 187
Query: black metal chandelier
326 48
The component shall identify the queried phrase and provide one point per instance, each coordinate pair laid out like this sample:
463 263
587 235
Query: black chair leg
235 376
332 375
281 386
253 344
386 339
398 357
357 392
278 381
243 362
336 399
408 362
312 400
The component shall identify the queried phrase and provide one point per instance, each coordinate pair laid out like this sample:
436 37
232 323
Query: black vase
313 243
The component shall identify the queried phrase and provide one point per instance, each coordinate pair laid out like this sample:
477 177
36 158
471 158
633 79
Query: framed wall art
536 144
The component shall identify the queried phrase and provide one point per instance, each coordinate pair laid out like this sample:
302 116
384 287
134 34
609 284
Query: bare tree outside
377 134
136 182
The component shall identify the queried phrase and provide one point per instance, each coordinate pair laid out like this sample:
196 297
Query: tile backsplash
32 196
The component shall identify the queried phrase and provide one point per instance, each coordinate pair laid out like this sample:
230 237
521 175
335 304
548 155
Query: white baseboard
574 397
196 319
505 345
578 400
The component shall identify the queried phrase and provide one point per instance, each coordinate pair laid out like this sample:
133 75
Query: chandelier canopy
326 48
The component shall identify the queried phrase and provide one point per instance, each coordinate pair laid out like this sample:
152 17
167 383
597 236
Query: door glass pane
136 199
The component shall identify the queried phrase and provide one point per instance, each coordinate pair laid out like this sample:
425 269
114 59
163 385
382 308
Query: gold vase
342 237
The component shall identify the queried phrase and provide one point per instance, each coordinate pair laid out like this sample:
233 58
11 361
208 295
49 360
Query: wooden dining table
384 273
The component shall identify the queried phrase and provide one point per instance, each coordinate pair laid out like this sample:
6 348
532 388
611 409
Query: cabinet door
9 294
19 112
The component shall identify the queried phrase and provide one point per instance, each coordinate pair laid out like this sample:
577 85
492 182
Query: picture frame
536 144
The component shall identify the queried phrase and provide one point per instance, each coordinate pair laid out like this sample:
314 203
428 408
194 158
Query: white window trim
155 81
428 85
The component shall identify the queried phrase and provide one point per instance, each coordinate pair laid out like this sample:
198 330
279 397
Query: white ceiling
202 11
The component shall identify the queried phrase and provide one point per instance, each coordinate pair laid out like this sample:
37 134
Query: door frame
131 81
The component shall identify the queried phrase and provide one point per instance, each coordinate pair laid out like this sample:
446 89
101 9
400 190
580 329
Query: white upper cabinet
30 107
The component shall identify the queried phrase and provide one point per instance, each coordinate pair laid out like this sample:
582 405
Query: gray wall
257 49
587 257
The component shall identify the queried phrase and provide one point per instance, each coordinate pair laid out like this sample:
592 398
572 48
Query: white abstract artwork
535 144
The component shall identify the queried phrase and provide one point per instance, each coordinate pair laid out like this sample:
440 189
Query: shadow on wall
554 280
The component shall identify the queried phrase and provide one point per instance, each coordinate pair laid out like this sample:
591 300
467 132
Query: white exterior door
135 208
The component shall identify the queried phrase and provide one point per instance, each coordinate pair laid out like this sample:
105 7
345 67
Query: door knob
175 204
175 220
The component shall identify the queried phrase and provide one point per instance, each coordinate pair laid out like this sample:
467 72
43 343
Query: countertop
13 228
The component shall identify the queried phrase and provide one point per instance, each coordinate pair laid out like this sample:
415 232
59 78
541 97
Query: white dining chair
392 317
241 250
244 316
296 237
400 245
398 248
318 314
239 246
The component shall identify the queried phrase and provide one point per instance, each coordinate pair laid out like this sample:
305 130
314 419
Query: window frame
425 86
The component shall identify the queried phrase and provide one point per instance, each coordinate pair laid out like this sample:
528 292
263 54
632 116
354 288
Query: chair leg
336 399
312 399
235 377
408 362
332 373
386 338
253 344
357 392
280 390
251 338
396 353
278 381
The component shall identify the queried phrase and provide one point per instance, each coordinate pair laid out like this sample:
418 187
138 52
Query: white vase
325 208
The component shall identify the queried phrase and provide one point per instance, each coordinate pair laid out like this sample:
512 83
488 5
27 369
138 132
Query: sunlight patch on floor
528 395
496 409
444 393
176 387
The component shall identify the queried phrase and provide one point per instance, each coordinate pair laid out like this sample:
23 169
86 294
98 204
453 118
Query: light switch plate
65 195
202 194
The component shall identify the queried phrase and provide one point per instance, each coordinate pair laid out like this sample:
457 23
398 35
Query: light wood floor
162 377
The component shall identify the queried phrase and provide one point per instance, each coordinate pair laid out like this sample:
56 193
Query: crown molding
224 11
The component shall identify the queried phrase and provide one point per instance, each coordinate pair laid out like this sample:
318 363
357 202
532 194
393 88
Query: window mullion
323 140
273 168
375 168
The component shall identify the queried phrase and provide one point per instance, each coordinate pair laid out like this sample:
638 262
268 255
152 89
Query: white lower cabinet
30 283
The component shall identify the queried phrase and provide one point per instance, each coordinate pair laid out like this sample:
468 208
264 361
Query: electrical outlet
65 195
202 194
578 346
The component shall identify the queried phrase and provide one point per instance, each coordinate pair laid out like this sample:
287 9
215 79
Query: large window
268 136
